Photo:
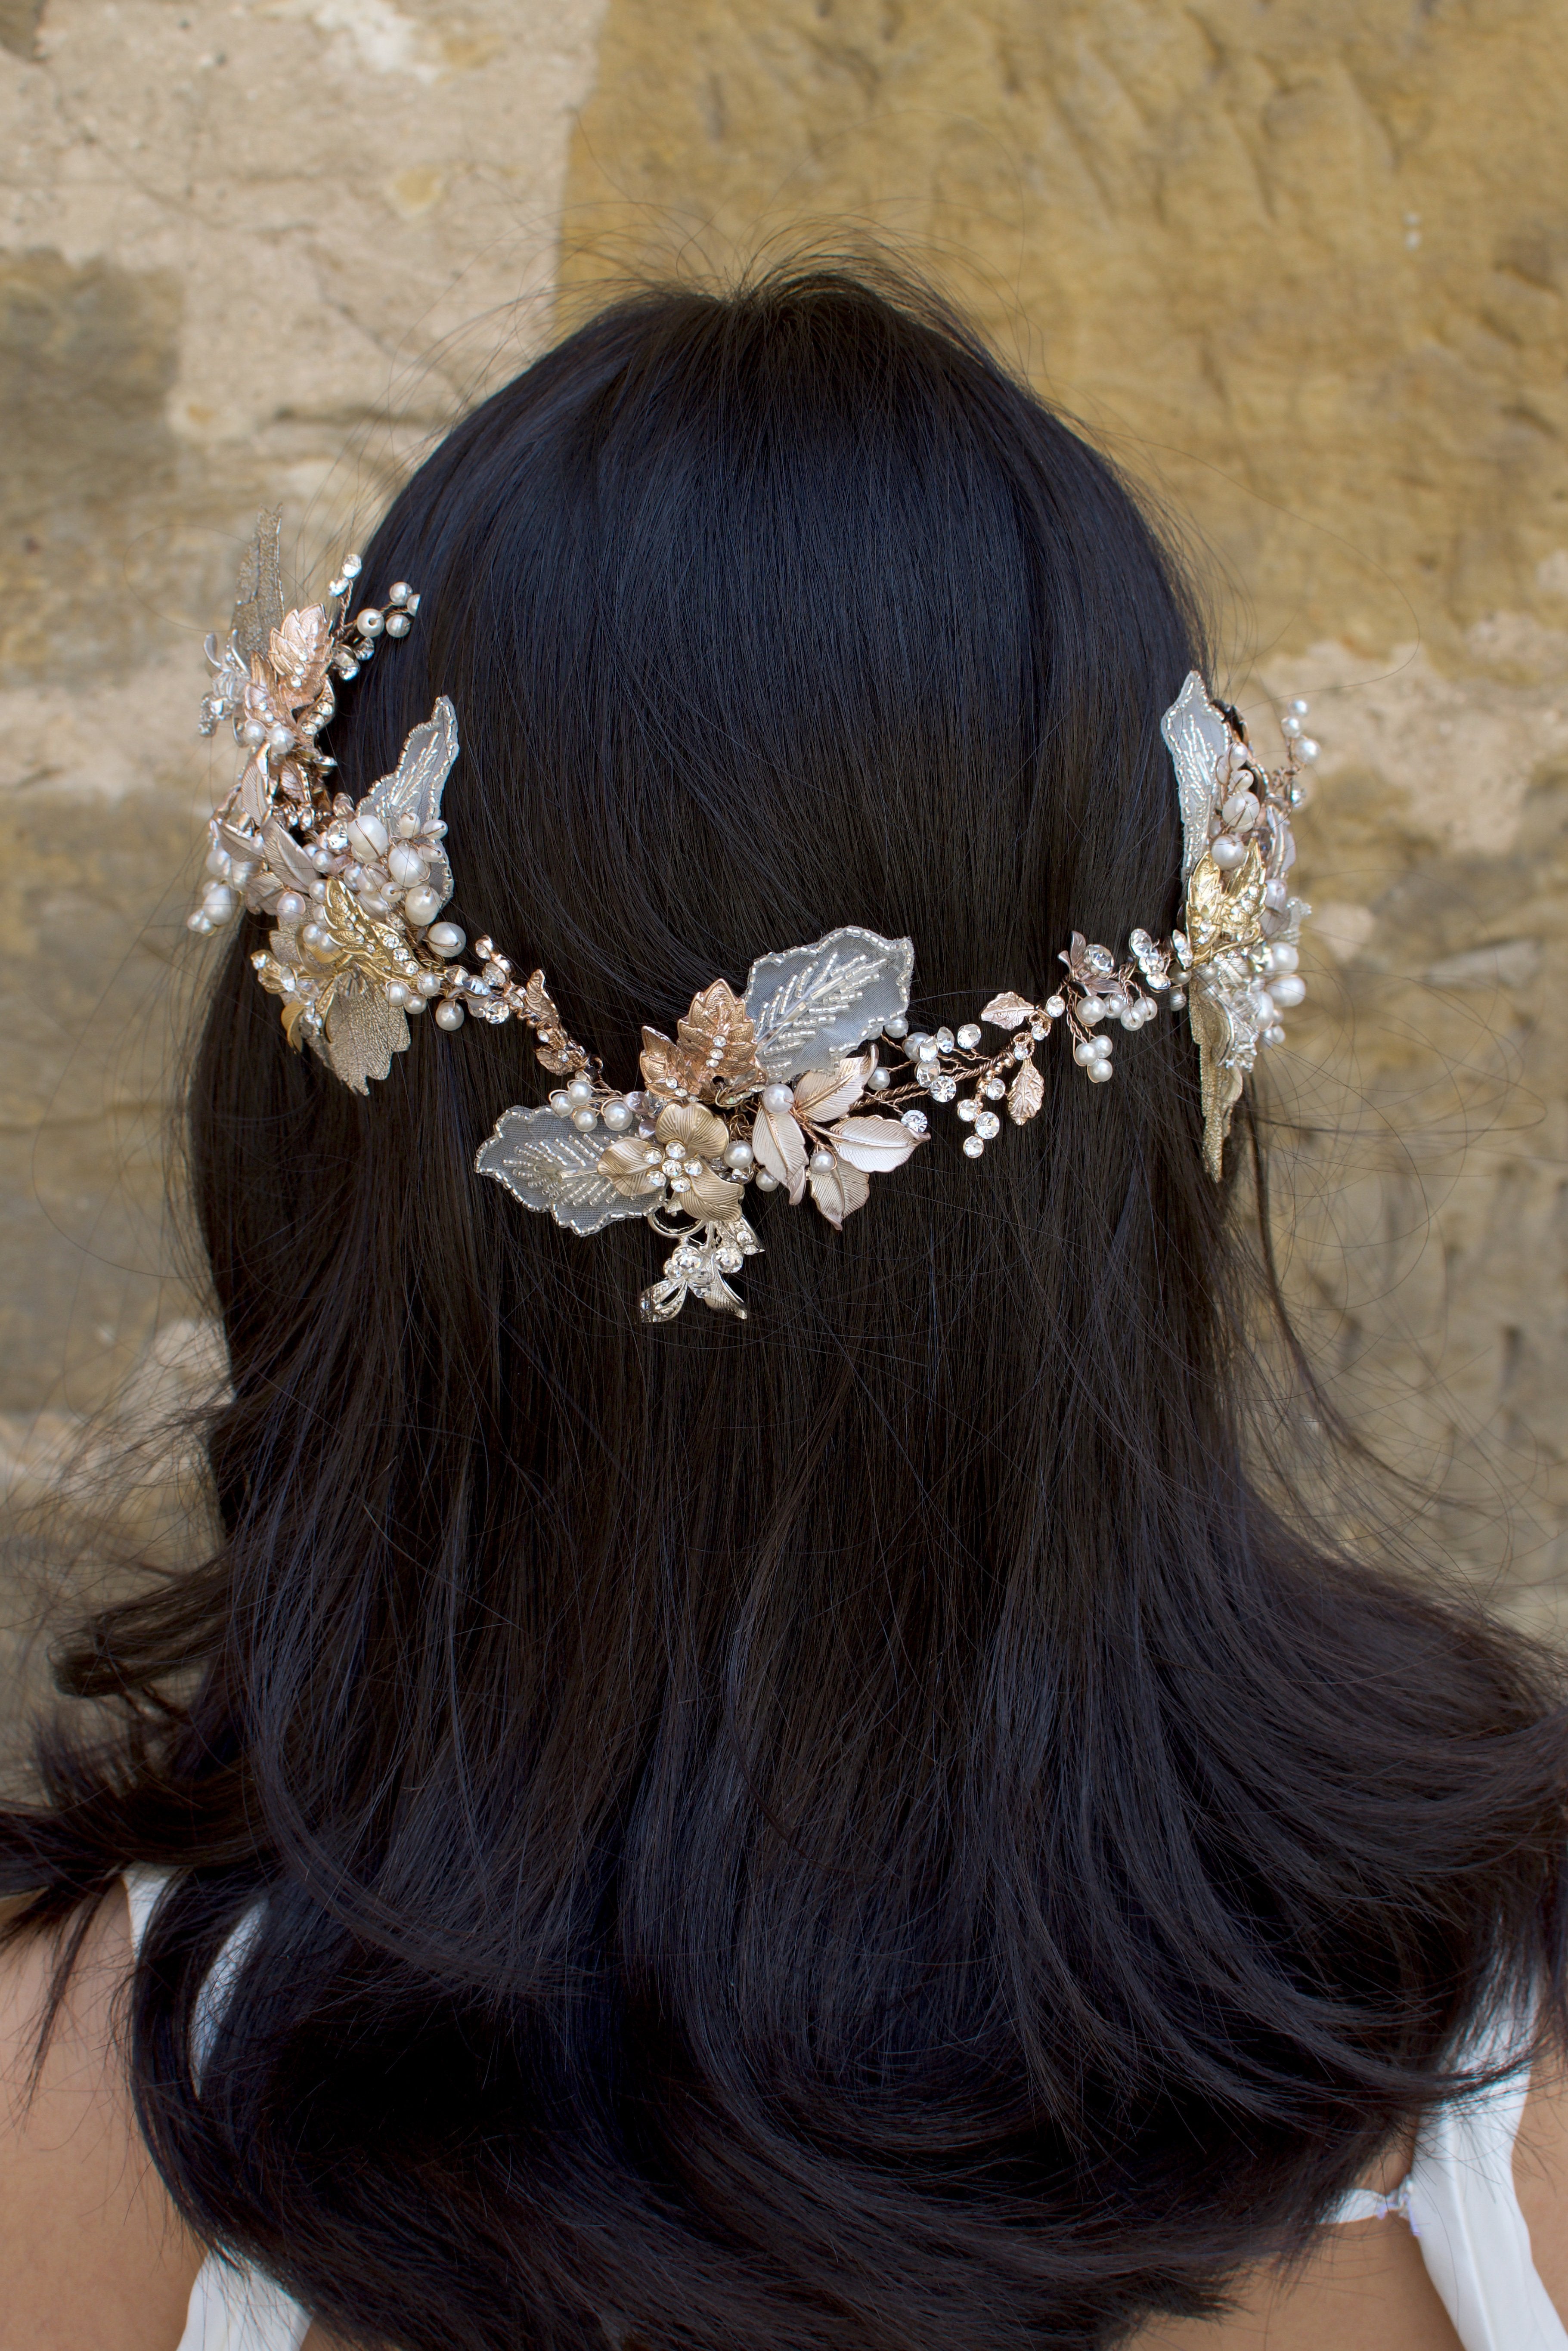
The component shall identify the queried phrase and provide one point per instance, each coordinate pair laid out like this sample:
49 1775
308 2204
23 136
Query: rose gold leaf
665 1068
839 1190
559 1059
539 1005
1026 1095
874 1143
1006 1011
716 1034
824 1094
781 1148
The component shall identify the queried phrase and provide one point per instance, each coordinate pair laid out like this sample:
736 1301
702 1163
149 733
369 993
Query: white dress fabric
233 2307
1458 2200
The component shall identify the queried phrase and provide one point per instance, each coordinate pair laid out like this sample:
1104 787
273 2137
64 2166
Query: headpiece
812 1078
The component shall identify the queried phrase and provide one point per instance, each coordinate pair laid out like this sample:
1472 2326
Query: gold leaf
713 1196
874 1143
1007 1011
625 1165
666 1069
1026 1094
781 1147
292 1012
839 1190
696 1130
1219 918
539 1005
378 949
559 1050
300 650
1220 1088
717 1035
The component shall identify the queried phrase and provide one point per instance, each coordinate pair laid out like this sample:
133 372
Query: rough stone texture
1300 268
251 253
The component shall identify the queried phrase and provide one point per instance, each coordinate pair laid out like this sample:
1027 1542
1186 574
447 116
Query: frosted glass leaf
1197 737
546 1165
811 1006
415 786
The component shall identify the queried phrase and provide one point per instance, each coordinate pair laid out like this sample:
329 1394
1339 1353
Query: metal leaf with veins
363 1033
811 1006
415 786
1197 737
548 1165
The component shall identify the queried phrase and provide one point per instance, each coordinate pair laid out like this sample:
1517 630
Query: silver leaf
363 1033
286 857
1199 739
415 786
546 1165
811 1006
259 601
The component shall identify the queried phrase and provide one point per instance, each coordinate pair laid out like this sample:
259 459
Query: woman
872 1823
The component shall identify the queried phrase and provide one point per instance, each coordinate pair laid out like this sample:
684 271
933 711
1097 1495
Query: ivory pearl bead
415 1003
281 738
897 1027
778 1099
617 1116
879 1080
405 864
290 909
1084 1053
447 938
1226 851
1287 991
1283 958
1098 1072
398 992
218 902
370 622
423 905
398 624
428 983
580 1091
765 1182
218 862
399 592
738 1153
560 1102
822 1162
367 838
253 734
449 1015
585 1118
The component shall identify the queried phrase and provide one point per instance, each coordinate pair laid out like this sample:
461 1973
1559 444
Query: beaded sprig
812 1079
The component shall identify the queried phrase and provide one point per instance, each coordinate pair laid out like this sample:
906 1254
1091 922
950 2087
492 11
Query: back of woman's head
860 1826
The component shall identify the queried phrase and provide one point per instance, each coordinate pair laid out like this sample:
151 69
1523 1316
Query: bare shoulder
91 2250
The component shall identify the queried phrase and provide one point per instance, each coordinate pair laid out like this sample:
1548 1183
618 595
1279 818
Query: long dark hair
875 1826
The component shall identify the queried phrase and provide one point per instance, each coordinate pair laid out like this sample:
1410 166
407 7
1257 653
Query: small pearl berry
1098 1072
897 1027
560 1102
738 1151
618 1116
580 1089
778 1099
585 1118
879 1080
397 992
449 1015
822 1162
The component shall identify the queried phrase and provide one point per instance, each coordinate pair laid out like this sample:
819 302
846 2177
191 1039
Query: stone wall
1302 269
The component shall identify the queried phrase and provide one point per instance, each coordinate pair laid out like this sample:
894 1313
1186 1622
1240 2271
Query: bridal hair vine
812 1079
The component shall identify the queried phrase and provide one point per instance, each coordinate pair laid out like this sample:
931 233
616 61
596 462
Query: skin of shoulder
94 2255
92 2252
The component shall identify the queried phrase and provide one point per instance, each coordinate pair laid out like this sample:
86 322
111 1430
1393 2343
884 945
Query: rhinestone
973 1147
729 1259
1038 1028
987 1123
968 1036
994 1089
1021 1048
1055 1006
944 1037
680 1183
923 1076
915 1121
968 1110
944 1088
685 1260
